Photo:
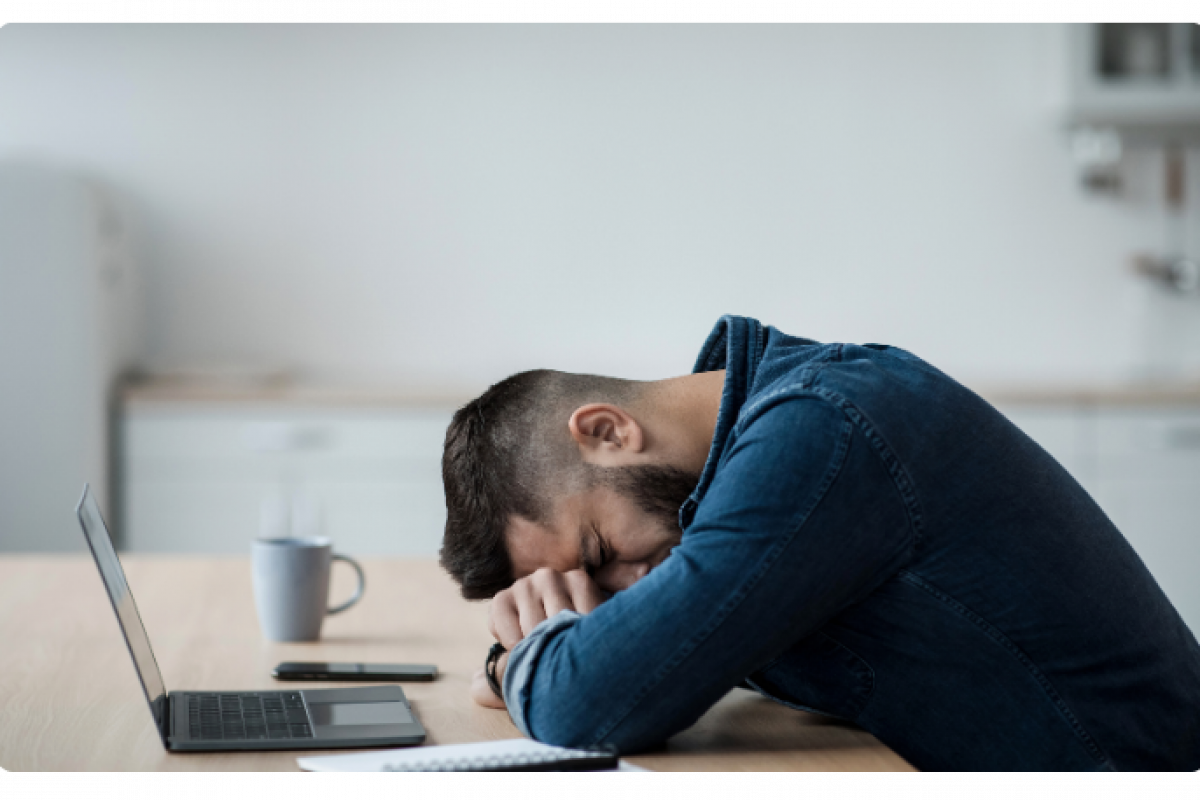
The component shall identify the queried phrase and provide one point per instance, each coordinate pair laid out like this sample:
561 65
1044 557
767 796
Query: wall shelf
1141 78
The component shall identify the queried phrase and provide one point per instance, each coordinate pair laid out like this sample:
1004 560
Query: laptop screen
96 533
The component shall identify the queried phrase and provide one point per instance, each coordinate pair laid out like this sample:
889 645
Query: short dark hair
509 453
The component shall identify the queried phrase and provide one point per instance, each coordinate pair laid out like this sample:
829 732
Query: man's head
552 469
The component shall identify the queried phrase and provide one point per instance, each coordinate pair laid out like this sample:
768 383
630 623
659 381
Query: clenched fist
518 609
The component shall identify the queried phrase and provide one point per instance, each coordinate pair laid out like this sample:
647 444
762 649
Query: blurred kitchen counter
1127 395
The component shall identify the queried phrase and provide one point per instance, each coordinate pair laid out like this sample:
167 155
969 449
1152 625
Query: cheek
635 535
642 533
644 543
637 540
619 576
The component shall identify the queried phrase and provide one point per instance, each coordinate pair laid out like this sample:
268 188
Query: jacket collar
735 345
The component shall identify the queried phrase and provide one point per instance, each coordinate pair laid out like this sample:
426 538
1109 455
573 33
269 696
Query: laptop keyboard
247 715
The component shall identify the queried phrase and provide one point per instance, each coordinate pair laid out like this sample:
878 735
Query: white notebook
451 757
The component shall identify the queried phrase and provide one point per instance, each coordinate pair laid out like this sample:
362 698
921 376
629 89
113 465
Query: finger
530 610
555 597
585 594
503 620
496 600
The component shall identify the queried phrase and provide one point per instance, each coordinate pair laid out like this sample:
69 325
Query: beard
658 490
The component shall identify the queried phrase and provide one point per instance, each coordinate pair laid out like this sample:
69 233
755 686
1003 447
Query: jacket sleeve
802 520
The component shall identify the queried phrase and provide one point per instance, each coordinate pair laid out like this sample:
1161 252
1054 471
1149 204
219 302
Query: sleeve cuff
518 675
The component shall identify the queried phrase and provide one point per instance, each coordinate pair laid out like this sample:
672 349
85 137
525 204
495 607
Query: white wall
448 204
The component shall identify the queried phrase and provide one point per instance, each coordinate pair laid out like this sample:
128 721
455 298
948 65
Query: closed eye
597 554
588 552
605 552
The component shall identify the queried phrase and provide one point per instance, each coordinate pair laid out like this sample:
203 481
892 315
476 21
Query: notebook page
383 759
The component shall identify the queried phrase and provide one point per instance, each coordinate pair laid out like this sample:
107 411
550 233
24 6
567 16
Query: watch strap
489 668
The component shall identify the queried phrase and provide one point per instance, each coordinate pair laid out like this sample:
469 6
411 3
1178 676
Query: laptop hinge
168 721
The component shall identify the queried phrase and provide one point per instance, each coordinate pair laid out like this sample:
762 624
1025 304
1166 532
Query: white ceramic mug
291 586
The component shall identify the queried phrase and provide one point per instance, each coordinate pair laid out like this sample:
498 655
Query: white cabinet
196 476
1142 465
1148 482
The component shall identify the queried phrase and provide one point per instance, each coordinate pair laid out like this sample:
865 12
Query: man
842 528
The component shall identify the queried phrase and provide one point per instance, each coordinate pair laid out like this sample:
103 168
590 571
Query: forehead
532 546
556 545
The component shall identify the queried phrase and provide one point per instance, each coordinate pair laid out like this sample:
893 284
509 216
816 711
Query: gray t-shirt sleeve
518 675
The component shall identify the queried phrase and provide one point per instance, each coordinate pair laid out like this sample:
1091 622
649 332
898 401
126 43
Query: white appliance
68 293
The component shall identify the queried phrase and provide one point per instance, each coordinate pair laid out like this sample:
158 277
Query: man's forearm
756 571
517 676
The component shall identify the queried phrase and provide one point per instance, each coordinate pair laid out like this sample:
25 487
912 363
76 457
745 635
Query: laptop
303 719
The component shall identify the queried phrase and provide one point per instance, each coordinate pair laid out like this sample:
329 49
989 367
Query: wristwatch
489 668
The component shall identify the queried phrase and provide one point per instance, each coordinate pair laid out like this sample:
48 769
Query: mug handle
362 584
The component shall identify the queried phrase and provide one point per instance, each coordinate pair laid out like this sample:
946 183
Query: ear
606 434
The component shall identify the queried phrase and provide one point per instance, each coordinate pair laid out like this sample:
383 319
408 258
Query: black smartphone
337 671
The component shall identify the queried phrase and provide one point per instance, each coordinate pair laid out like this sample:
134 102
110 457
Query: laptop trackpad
359 714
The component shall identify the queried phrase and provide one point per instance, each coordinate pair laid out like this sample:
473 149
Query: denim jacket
872 541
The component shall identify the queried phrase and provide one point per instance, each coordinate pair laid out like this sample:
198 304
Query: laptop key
255 716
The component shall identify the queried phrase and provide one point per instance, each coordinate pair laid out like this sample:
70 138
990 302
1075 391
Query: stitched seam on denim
836 463
800 388
998 636
756 354
900 478
871 670
718 353
812 368
719 350
796 706
749 412
861 706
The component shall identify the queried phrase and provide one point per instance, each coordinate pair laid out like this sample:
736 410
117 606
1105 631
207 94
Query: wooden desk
69 698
